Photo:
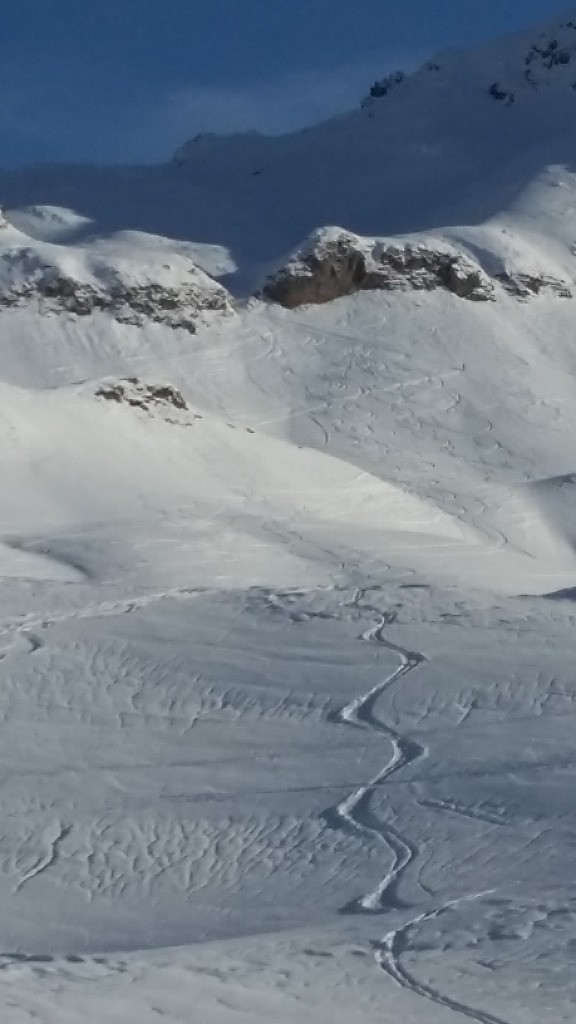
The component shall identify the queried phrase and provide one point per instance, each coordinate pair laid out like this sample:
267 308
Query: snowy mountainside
136 279
288 566
437 151
507 70
333 263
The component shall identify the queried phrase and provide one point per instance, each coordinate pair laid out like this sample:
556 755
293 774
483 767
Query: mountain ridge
430 156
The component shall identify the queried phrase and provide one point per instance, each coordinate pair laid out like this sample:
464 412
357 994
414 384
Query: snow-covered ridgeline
134 285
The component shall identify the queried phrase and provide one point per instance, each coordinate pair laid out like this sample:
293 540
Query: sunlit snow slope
287 580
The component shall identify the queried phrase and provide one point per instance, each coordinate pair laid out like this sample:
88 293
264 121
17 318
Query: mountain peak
506 69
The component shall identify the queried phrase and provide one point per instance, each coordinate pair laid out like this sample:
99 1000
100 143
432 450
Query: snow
287 596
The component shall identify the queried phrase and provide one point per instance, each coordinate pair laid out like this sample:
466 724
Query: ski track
389 953
354 814
17 631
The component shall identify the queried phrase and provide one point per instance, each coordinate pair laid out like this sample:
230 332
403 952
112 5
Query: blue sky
121 80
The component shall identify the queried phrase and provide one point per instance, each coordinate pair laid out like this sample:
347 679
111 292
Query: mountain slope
287 565
437 150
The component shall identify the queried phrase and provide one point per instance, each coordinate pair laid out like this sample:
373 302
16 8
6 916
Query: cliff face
334 263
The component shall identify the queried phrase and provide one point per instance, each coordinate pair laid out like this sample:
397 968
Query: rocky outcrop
502 95
527 285
133 287
162 401
383 86
176 307
132 391
509 75
335 263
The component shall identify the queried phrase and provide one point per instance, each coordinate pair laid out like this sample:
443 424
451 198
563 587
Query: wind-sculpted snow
246 686
185 747
355 814
287 583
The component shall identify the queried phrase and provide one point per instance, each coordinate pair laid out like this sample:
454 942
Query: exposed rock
383 86
155 399
336 263
176 295
136 304
508 76
525 285
498 93
134 392
550 56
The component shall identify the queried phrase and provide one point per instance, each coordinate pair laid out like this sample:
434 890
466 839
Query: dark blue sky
118 80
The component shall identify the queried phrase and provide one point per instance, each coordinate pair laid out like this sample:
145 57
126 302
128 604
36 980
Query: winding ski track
355 815
389 957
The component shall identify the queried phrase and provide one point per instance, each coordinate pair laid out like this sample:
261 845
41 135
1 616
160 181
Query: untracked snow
288 566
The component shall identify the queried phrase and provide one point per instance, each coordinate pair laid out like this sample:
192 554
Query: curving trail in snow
354 814
20 630
388 957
